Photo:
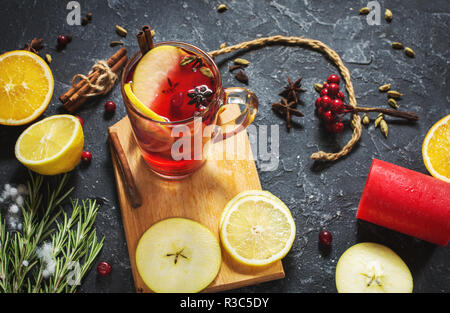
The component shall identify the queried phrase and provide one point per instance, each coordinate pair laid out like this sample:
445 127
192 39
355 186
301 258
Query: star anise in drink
199 95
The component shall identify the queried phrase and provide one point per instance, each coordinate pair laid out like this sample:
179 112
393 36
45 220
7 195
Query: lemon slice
436 149
51 146
26 87
178 255
257 229
153 69
140 106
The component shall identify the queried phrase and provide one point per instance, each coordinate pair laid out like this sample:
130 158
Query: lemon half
51 146
257 229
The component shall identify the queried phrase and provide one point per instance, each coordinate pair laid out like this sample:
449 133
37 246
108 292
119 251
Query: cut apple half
372 268
178 255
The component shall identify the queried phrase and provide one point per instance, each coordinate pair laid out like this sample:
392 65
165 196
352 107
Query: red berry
318 102
337 106
324 92
337 127
80 119
341 95
325 85
326 102
333 79
63 40
104 268
325 238
110 107
320 111
86 157
328 116
333 90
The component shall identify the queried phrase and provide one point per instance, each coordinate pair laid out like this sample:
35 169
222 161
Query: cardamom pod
241 61
364 11
152 32
115 43
48 58
388 15
318 87
384 128
397 45
385 87
121 31
366 119
393 103
222 8
187 60
379 118
394 94
223 45
410 52
207 72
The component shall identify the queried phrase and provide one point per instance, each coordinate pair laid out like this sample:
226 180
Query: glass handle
234 98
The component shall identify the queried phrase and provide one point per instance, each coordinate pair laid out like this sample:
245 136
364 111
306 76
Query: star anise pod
34 46
199 95
287 109
290 91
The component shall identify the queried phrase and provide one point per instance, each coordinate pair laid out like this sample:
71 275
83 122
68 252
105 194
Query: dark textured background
321 196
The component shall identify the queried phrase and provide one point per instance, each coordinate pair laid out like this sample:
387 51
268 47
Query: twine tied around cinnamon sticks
99 81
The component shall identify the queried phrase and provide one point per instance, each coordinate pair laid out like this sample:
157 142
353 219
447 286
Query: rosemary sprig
74 241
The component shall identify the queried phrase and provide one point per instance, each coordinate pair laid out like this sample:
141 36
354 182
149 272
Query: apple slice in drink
178 255
372 268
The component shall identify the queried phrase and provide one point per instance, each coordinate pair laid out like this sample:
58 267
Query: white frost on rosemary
45 254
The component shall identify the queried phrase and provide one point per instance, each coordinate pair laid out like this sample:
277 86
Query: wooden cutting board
200 197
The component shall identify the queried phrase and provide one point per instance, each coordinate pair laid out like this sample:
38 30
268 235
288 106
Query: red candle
406 201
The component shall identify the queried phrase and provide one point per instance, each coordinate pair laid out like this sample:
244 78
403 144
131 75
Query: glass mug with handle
173 96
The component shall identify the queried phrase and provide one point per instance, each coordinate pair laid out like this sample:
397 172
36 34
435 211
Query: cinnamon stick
127 176
111 61
403 114
78 98
145 39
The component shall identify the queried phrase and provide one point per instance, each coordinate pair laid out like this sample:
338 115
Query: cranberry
104 268
326 102
341 95
325 85
333 90
333 79
337 127
328 116
318 103
86 157
324 92
325 238
337 106
110 106
80 119
62 41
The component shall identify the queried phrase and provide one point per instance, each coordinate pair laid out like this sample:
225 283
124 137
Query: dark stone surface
321 196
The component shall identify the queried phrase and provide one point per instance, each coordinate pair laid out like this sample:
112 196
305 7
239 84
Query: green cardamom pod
364 11
207 72
385 87
48 58
121 31
388 15
394 94
115 43
384 128
318 87
222 8
366 119
241 61
410 52
397 45
187 60
393 103
379 118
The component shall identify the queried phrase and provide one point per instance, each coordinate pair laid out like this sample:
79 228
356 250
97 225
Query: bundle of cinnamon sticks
145 39
76 95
